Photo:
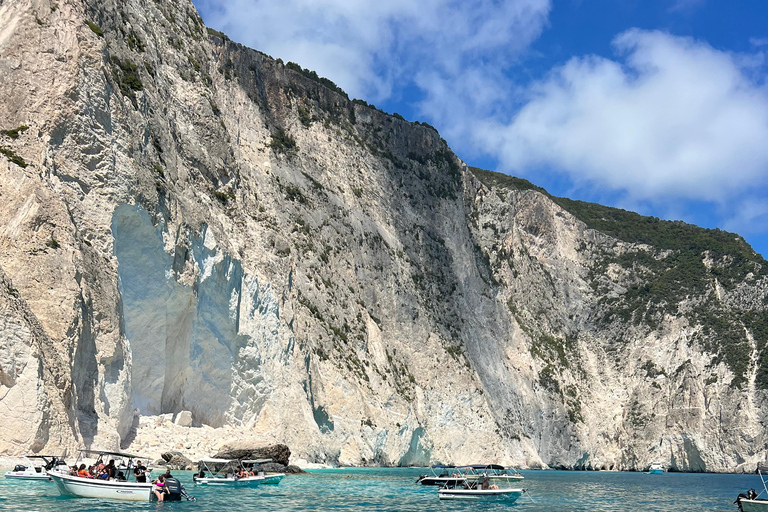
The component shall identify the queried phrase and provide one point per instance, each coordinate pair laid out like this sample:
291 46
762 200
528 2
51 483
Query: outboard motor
176 491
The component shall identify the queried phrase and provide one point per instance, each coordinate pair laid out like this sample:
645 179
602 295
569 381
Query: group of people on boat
110 471
244 473
101 470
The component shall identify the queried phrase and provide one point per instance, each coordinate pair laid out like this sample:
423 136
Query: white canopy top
218 460
257 461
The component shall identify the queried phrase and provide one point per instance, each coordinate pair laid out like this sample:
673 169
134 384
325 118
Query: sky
654 106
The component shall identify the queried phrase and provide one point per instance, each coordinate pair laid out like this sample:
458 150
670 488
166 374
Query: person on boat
159 489
168 473
139 472
111 470
83 472
73 470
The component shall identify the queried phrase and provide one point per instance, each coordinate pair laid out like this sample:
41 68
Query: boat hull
753 505
93 488
233 482
273 479
507 495
26 475
441 480
656 472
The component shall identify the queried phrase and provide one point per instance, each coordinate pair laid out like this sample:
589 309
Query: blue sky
656 106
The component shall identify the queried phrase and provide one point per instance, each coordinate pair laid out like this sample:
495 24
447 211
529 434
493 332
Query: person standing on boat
140 473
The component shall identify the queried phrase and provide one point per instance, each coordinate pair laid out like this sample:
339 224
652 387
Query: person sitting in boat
159 489
83 472
494 487
242 473
73 470
140 472
111 470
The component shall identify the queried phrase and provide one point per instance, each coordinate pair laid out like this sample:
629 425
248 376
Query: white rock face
349 288
183 419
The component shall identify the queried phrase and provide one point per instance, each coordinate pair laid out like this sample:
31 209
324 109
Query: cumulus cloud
672 118
366 46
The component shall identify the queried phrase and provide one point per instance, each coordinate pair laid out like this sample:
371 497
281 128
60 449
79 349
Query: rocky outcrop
279 453
175 460
190 225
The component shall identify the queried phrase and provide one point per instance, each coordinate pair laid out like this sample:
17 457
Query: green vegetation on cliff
675 269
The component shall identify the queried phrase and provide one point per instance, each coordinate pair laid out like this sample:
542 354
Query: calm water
390 490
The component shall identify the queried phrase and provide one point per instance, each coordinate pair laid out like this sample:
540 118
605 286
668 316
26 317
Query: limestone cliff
191 225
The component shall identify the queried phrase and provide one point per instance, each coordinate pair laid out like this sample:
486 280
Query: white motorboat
70 485
752 501
32 472
486 487
442 474
223 472
657 468
117 488
234 472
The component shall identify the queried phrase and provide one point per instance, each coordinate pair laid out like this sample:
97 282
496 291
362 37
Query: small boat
656 468
442 474
223 472
751 501
33 472
266 478
481 488
119 488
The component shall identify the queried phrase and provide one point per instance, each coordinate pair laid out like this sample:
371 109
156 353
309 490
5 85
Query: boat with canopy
118 487
224 472
234 472
752 501
446 474
30 471
481 483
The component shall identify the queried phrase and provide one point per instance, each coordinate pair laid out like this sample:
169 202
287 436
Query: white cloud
675 119
367 46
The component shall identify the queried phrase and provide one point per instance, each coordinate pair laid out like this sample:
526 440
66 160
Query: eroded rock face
190 225
279 453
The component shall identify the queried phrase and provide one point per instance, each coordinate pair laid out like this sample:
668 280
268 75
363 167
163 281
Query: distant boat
442 474
33 472
223 472
752 501
656 468
480 486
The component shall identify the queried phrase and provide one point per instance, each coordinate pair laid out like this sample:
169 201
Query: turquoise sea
393 489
